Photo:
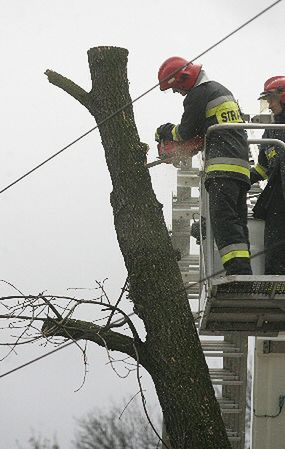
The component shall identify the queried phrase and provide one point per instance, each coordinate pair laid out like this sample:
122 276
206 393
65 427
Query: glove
167 149
198 228
163 132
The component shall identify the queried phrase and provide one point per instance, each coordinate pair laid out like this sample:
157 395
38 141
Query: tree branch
10 316
78 329
69 86
51 306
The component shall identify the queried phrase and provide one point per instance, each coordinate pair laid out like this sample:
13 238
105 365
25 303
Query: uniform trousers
228 215
274 233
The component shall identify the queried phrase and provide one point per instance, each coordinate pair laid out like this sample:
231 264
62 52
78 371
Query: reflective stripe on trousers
233 251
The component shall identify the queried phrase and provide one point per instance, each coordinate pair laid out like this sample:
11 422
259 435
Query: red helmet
274 85
178 73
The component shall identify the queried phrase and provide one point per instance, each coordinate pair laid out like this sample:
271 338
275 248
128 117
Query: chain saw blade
168 149
154 163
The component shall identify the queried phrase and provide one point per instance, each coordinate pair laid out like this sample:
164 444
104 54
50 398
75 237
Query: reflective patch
228 168
226 112
233 247
271 153
233 255
175 134
228 160
261 171
217 101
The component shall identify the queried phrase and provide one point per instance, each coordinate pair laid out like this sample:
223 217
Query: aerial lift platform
253 305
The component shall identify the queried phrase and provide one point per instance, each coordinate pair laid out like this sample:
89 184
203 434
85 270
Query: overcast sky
56 226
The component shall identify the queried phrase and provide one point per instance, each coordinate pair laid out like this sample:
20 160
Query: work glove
163 132
198 228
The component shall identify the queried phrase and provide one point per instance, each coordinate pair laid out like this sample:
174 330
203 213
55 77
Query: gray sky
56 226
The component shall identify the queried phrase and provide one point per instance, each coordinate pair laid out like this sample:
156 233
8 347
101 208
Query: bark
171 353
79 330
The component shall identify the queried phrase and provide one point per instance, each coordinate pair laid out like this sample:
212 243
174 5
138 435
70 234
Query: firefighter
270 205
227 170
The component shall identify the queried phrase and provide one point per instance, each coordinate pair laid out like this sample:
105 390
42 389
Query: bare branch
69 87
101 286
108 324
111 361
9 316
128 403
144 401
51 306
119 323
32 340
78 329
84 352
11 285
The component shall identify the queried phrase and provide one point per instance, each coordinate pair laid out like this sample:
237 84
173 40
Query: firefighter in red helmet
227 171
270 205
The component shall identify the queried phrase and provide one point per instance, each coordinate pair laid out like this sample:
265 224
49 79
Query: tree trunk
171 353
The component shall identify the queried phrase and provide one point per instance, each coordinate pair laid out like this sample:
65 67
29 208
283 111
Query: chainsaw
170 151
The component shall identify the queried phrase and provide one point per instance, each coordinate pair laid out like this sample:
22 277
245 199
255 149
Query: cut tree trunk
172 352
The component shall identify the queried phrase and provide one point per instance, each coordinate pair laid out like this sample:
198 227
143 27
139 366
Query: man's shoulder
203 93
208 88
199 92
216 87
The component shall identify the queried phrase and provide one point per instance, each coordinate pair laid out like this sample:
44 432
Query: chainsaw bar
154 163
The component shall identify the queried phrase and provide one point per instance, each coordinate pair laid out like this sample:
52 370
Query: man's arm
260 171
194 116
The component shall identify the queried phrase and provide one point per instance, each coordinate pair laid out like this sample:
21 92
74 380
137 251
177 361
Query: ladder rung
192 287
191 258
234 411
223 354
188 180
185 266
219 345
193 276
187 171
229 405
225 399
187 204
227 382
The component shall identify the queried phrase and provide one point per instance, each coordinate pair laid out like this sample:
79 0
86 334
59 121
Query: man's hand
163 132
174 152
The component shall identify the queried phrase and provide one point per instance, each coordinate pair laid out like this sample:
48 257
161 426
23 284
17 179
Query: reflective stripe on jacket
268 158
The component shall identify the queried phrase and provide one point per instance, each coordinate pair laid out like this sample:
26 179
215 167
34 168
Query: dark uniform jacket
227 153
271 167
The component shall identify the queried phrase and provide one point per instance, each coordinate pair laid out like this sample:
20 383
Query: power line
37 359
136 99
48 159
